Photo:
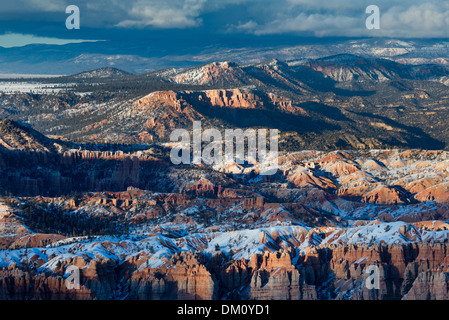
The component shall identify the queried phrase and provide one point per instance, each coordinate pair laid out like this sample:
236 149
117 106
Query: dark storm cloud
400 18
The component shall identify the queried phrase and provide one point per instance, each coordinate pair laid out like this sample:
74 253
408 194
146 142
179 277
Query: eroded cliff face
98 280
166 111
414 271
43 173
401 271
184 276
409 271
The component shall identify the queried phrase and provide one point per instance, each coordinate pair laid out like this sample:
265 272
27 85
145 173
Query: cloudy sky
43 21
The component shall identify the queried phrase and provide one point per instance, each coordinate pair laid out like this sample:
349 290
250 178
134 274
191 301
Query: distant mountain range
143 57
341 101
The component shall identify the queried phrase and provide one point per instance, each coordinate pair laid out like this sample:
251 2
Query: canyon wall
409 271
42 173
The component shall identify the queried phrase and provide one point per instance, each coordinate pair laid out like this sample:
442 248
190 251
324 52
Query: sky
202 21
144 35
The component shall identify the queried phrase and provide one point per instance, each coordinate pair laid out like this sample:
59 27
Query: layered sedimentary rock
183 277
169 110
34 173
410 271
97 281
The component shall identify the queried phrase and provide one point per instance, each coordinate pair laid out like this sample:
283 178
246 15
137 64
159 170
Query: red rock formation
438 193
274 277
51 173
342 168
97 281
182 277
304 177
409 271
204 187
385 195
